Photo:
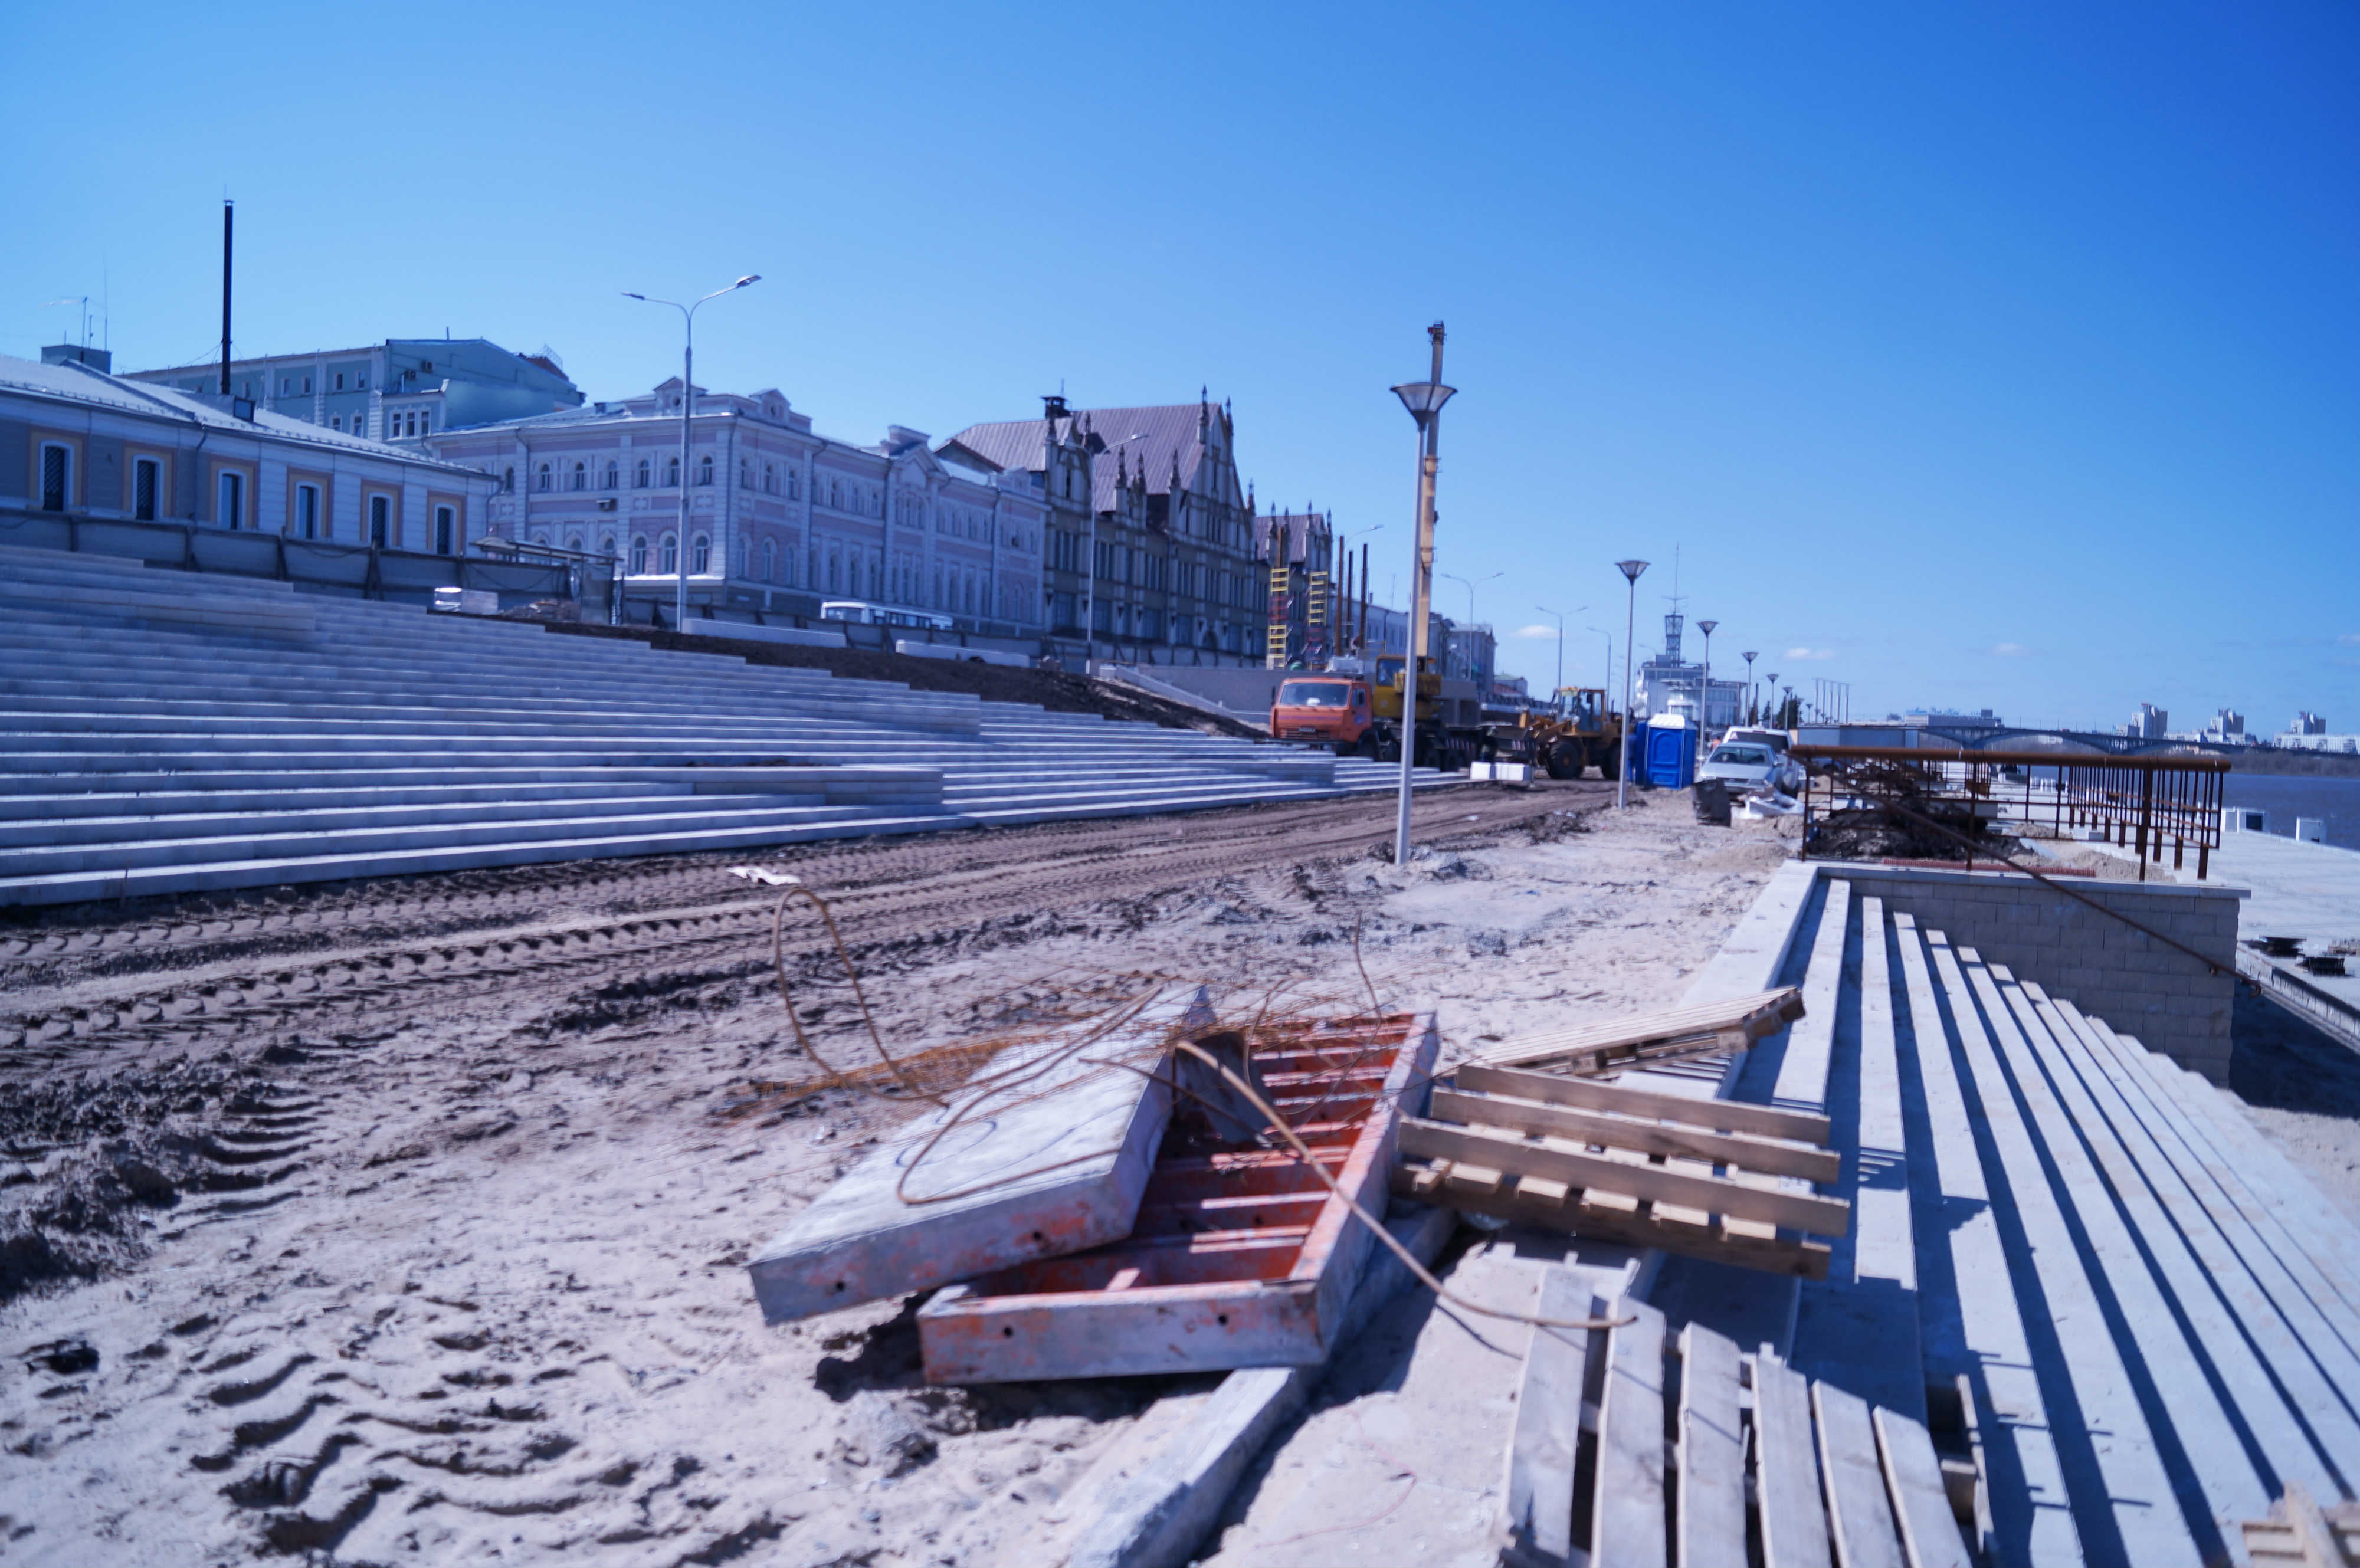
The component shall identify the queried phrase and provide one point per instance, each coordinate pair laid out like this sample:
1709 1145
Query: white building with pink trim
780 518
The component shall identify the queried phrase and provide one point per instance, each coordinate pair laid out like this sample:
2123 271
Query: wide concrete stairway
162 731
2137 1320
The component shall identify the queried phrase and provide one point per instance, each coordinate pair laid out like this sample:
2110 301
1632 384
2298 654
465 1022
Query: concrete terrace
165 732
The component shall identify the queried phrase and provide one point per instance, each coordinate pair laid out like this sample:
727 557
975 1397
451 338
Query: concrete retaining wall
2165 997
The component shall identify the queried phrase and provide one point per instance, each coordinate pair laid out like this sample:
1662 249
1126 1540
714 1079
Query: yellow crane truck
1354 714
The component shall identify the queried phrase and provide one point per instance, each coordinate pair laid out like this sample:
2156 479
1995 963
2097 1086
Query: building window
57 476
836 494
507 481
606 546
147 478
541 480
769 562
340 381
671 474
336 421
229 507
307 510
639 475
744 474
307 385
446 523
380 520
639 554
581 476
364 381
671 567
614 475
704 469
770 478
700 555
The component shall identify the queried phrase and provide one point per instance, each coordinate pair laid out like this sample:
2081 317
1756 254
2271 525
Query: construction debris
2299 1533
1711 1179
1680 1034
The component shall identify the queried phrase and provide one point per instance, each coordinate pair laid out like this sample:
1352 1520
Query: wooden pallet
2299 1533
1706 1178
1240 1259
1708 1028
1811 1473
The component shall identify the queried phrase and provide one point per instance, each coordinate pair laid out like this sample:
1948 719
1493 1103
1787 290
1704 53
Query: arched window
582 476
606 546
670 566
573 541
542 480
769 562
704 469
508 480
541 536
834 571
613 477
770 478
641 483
639 554
671 474
875 578
700 555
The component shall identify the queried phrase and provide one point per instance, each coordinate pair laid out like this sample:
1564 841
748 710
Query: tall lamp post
1704 703
1749 659
1424 400
687 412
1629 570
1545 610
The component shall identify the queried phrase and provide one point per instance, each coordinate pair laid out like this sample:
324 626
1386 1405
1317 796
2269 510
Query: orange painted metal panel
1240 1259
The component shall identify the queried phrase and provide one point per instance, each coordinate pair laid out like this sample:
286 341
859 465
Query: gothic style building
1150 550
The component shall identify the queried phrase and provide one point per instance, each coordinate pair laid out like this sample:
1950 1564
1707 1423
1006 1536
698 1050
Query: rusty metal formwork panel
1238 1260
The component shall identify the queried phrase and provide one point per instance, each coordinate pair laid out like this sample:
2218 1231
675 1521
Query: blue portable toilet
1671 751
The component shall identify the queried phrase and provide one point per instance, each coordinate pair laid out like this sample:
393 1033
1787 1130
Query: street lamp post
1424 400
1545 610
1704 704
1749 659
1629 570
687 412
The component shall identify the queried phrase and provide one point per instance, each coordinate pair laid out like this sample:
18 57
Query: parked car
1748 764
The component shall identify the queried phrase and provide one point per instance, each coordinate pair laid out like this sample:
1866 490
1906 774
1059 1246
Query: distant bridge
2010 737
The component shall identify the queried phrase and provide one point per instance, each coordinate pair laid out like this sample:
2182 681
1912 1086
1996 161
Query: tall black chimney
229 212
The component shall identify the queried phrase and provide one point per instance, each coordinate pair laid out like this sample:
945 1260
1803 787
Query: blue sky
2000 356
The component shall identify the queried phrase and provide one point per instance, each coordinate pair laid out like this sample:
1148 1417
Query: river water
2288 795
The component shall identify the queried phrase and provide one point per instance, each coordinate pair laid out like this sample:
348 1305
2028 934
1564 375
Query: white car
1750 765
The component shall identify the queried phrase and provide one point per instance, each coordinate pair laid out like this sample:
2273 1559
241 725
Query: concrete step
279 820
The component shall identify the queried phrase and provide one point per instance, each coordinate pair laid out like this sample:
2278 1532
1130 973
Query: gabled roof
1149 439
92 388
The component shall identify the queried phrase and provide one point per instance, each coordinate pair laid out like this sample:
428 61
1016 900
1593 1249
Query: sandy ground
415 1215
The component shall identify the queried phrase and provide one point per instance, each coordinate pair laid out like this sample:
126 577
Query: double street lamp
1424 400
1749 715
687 412
1704 706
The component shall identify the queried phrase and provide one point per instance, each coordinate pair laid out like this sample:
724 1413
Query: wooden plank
2319 1543
1599 1060
1786 1469
1860 1514
1754 1016
1426 1140
1627 1514
2137 1490
1626 1132
1477 1190
1711 1528
1539 1492
1929 1531
1810 1044
1582 1093
1978 1335
2253 1350
1056 1168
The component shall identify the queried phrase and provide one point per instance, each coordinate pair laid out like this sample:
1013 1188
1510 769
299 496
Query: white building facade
780 518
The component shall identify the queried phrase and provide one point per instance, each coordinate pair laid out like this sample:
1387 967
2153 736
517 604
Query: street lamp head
1631 568
628 295
1751 655
750 277
1706 627
1424 400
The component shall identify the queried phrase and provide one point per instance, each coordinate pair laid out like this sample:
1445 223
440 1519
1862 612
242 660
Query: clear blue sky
1999 356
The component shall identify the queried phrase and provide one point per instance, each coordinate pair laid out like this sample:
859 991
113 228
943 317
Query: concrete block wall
2166 998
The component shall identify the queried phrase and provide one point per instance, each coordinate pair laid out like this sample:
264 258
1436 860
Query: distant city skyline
1991 359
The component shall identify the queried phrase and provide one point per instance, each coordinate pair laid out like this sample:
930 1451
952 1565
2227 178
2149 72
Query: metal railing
2138 802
